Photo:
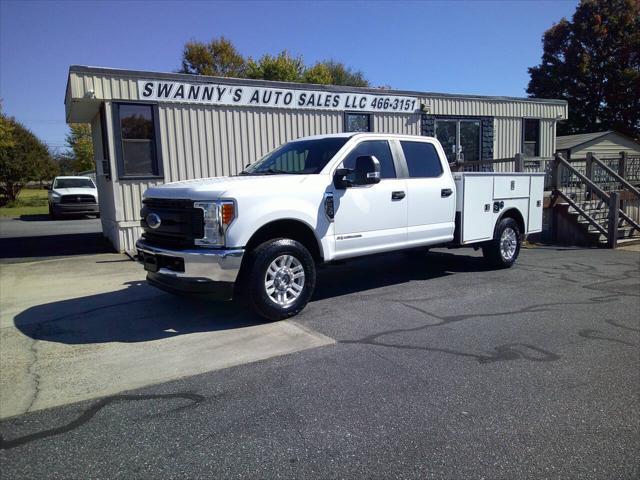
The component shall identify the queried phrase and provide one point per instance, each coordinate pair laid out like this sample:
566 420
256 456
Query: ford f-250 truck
261 233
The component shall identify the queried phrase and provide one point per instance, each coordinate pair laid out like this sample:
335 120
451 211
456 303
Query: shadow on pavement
138 313
54 245
43 217
141 313
367 273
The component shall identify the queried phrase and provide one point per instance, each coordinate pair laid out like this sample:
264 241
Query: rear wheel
279 278
503 250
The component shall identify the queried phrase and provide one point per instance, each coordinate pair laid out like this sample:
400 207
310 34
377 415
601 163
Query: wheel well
293 229
515 214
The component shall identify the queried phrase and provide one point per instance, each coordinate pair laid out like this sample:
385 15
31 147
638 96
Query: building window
531 137
422 159
357 122
136 139
106 170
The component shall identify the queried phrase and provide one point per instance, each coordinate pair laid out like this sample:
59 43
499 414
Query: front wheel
503 250
279 278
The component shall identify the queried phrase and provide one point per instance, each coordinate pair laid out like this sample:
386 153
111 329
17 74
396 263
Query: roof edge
300 86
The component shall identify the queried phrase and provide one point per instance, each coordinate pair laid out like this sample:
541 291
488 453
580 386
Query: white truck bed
482 197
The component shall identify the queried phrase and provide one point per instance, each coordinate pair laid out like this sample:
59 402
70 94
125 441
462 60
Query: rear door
430 193
371 218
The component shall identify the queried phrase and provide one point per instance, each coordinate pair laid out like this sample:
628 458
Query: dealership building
150 128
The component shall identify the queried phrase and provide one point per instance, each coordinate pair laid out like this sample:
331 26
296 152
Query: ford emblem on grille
153 220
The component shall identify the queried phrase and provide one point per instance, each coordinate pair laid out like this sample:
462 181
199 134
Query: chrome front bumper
206 264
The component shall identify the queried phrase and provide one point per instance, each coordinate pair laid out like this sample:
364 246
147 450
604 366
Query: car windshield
73 183
299 157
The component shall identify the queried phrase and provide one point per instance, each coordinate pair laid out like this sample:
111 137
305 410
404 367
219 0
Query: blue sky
476 47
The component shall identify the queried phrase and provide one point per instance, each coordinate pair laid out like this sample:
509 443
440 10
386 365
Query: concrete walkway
78 328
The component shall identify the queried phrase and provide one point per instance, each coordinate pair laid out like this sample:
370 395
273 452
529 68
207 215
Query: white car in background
73 196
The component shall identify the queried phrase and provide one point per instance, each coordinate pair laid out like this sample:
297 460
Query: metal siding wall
547 138
396 123
203 141
492 107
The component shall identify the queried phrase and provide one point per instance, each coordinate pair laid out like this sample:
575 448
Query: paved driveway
421 366
37 236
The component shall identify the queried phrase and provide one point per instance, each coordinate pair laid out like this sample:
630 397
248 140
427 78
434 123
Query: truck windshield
73 183
299 157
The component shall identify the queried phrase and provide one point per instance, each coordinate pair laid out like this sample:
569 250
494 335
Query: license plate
150 262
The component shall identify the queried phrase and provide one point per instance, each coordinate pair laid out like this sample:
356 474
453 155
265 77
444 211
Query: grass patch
31 201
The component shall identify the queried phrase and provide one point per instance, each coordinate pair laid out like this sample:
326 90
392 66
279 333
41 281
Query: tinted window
303 156
377 148
138 143
357 122
73 183
531 137
422 159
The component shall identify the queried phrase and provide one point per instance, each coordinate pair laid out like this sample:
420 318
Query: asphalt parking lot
418 365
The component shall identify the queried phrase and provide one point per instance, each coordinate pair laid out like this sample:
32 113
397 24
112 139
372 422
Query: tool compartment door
477 213
536 203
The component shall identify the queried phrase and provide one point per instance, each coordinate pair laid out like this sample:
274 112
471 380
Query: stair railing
611 200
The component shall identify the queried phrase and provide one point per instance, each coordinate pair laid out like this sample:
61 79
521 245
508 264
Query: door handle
446 192
397 195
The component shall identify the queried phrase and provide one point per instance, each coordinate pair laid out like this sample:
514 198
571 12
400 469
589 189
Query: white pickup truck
260 234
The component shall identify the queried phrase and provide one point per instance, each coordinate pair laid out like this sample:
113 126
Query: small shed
607 144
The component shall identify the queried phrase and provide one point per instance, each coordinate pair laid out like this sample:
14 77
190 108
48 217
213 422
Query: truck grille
77 199
180 223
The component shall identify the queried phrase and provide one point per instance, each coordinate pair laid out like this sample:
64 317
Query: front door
371 218
460 139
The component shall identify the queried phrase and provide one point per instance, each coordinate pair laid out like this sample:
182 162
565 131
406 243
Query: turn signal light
228 212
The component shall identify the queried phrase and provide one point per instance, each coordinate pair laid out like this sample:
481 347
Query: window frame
397 166
345 123
538 140
157 163
406 163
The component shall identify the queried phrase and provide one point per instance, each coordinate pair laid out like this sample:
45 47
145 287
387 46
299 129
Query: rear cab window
422 159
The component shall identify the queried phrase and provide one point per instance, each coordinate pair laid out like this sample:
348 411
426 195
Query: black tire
97 215
254 278
503 257
52 214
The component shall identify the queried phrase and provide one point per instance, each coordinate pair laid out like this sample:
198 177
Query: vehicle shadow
54 245
138 313
367 273
43 217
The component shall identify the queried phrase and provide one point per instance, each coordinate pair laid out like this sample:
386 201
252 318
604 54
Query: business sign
251 96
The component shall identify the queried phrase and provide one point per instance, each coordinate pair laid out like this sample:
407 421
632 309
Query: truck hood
217 187
75 191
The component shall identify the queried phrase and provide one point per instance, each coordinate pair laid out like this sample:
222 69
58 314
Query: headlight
55 197
217 218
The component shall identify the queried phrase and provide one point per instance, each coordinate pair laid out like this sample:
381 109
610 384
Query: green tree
26 160
335 73
593 62
80 144
282 67
6 132
218 57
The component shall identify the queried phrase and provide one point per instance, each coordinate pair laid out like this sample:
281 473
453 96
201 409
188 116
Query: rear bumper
210 272
75 208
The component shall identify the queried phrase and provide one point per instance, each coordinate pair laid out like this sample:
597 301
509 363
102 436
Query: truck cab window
379 149
422 159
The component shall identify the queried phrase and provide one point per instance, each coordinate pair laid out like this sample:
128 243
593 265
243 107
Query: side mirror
367 170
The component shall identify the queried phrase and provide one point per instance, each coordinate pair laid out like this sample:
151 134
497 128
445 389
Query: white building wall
199 141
